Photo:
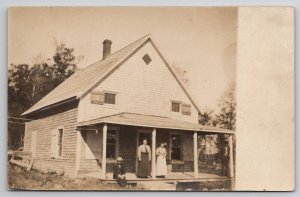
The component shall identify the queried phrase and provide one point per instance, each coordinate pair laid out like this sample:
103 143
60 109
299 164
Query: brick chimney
106 48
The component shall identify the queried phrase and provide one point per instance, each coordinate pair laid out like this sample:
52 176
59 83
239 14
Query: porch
102 140
173 176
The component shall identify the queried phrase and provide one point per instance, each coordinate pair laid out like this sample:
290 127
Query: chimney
106 48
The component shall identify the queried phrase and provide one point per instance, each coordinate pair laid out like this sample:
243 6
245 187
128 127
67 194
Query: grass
20 179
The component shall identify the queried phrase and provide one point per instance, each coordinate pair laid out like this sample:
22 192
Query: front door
143 134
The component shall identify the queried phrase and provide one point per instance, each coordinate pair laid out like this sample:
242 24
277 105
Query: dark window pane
110 98
176 148
147 59
175 106
111 144
60 138
111 151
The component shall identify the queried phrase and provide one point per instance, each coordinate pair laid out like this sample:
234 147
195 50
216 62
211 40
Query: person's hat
119 159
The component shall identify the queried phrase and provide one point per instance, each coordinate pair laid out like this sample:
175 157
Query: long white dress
161 163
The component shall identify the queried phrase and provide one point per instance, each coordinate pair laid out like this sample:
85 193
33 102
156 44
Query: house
104 111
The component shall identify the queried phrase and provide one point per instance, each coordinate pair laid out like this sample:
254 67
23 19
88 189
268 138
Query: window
56 147
97 98
175 106
147 59
101 97
186 109
111 144
110 98
176 147
60 138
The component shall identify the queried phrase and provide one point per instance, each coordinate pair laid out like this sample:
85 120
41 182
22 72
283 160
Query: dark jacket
119 169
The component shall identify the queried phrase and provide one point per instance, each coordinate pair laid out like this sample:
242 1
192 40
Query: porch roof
153 122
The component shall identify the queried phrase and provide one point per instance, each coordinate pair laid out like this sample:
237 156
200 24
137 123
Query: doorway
141 135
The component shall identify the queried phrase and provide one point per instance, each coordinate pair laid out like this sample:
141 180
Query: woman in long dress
144 157
161 163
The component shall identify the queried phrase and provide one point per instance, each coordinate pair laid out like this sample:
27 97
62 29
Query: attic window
175 106
110 98
186 109
97 98
147 59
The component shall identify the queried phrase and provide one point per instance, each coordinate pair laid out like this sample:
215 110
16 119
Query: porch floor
174 176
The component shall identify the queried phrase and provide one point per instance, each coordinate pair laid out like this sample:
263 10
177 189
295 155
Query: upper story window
147 59
186 109
175 106
109 98
101 97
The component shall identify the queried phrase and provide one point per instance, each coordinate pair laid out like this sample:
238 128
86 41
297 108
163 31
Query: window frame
56 154
116 129
177 102
95 101
147 59
103 94
110 93
186 105
171 146
60 140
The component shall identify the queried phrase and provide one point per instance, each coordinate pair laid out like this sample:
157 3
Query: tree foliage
227 117
28 84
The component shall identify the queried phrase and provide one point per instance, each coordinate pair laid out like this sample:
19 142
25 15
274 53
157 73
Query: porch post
104 139
78 151
195 155
231 170
153 163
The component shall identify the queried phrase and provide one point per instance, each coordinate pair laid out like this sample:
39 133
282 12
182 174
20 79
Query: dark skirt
143 169
121 181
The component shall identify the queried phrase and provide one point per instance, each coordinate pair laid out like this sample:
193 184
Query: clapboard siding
67 119
142 89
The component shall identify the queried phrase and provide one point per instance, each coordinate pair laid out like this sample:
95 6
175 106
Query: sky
200 40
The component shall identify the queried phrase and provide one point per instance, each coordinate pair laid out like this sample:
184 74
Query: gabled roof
82 81
151 121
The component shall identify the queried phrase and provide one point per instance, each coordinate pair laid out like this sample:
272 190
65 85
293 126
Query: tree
207 118
28 84
227 117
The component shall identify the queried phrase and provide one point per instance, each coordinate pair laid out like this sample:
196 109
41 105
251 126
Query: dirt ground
20 179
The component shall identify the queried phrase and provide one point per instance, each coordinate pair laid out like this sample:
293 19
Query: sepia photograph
123 98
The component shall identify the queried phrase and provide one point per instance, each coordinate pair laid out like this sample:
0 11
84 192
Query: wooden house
104 110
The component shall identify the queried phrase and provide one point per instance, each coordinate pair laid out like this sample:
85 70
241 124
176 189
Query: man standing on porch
144 157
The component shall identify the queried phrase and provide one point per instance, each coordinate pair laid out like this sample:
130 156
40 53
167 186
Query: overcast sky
201 41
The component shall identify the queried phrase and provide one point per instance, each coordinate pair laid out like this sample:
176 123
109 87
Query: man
225 159
119 172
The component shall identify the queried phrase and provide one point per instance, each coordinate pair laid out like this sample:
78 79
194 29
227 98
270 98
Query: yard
20 179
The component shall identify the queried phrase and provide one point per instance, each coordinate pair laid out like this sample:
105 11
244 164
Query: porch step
156 185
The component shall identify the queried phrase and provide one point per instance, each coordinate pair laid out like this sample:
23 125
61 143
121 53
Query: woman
161 163
119 172
144 157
